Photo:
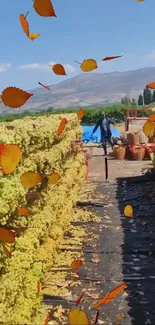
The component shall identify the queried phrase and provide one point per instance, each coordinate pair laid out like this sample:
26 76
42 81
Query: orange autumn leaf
106 168
38 287
110 296
30 179
7 236
54 178
24 24
80 113
152 118
44 8
59 69
25 27
107 58
33 36
96 318
128 211
148 128
88 65
47 319
46 87
10 156
14 97
61 126
151 85
23 211
79 299
139 0
76 264
6 251
78 317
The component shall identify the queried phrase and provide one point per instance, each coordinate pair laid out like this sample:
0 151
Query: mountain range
87 90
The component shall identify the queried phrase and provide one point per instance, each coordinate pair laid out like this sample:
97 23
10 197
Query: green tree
140 100
147 96
133 102
125 101
153 97
50 110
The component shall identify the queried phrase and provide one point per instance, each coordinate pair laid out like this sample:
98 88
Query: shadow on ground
117 248
138 249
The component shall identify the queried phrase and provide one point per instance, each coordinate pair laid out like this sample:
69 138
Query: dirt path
124 248
119 249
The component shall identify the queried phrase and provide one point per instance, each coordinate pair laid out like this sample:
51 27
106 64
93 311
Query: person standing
104 123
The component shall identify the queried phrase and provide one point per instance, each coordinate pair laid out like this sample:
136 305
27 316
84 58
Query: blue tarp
87 131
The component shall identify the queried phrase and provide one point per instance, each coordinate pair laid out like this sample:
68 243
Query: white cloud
44 66
4 67
69 68
32 66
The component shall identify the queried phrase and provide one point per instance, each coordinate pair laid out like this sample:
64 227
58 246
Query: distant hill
88 89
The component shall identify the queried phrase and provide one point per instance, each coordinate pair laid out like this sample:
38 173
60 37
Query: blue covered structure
87 131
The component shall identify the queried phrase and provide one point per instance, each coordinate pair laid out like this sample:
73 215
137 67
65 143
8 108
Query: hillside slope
89 89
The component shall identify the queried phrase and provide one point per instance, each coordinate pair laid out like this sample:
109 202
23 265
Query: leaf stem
77 62
27 14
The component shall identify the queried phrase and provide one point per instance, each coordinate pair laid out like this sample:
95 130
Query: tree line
91 116
146 98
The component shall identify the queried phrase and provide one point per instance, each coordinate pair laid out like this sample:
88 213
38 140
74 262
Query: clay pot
119 152
142 138
128 153
138 153
133 138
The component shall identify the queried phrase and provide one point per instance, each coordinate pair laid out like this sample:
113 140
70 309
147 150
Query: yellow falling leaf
148 128
88 65
54 178
33 36
78 317
30 179
10 156
128 211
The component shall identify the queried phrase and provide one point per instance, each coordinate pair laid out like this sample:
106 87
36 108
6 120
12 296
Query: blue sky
83 29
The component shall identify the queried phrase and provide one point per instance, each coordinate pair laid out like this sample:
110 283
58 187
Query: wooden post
126 120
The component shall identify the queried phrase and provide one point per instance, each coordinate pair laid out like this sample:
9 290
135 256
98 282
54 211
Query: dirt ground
118 249
125 247
133 126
